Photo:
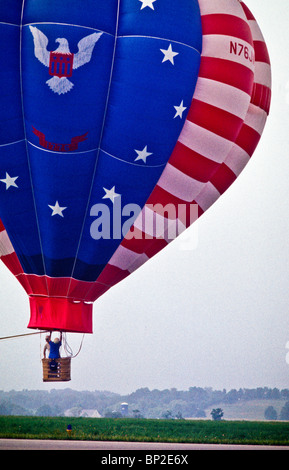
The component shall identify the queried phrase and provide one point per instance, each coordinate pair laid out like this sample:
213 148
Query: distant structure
124 409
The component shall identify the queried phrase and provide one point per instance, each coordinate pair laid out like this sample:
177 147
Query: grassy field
202 431
251 410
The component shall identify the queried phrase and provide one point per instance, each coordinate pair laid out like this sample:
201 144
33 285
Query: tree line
168 403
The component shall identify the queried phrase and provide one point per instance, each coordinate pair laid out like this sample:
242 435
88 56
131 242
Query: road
35 444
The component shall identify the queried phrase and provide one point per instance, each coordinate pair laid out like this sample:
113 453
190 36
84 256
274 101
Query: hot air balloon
111 112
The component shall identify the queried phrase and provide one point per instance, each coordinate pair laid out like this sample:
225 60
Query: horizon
224 390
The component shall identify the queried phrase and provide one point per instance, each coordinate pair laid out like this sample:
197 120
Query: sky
215 315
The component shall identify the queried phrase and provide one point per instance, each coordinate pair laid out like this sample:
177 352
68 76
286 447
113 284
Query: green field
198 431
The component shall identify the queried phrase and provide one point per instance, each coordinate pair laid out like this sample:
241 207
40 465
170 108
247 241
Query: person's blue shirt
54 350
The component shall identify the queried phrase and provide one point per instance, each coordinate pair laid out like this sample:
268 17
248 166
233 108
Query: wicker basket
61 374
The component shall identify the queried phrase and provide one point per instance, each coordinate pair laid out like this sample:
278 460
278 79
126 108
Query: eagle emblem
62 62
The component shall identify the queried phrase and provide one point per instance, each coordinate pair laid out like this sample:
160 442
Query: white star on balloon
10 181
147 3
179 110
143 154
56 209
169 54
110 194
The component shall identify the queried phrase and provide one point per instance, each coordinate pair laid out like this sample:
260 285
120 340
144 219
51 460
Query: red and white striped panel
10 259
253 125
6 247
222 130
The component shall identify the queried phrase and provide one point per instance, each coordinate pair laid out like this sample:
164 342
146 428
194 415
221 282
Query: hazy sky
216 315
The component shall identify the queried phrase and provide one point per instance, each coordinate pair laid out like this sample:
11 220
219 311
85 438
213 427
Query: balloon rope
26 334
68 349
79 348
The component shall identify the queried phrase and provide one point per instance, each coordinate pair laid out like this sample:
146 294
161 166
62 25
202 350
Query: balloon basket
61 372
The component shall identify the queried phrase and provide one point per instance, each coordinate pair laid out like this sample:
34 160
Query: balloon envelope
112 111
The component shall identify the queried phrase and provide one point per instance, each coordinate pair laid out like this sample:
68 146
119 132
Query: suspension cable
79 347
68 349
25 334
66 346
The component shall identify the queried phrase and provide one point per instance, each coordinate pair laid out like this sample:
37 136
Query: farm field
146 430
249 410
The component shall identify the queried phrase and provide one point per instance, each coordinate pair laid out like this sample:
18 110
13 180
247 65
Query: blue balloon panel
88 120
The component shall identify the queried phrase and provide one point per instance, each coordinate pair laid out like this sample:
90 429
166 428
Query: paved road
31 444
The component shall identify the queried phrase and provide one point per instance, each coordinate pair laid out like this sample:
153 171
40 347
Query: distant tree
44 410
284 413
217 414
4 409
167 415
136 414
273 394
232 396
270 413
7 408
285 393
